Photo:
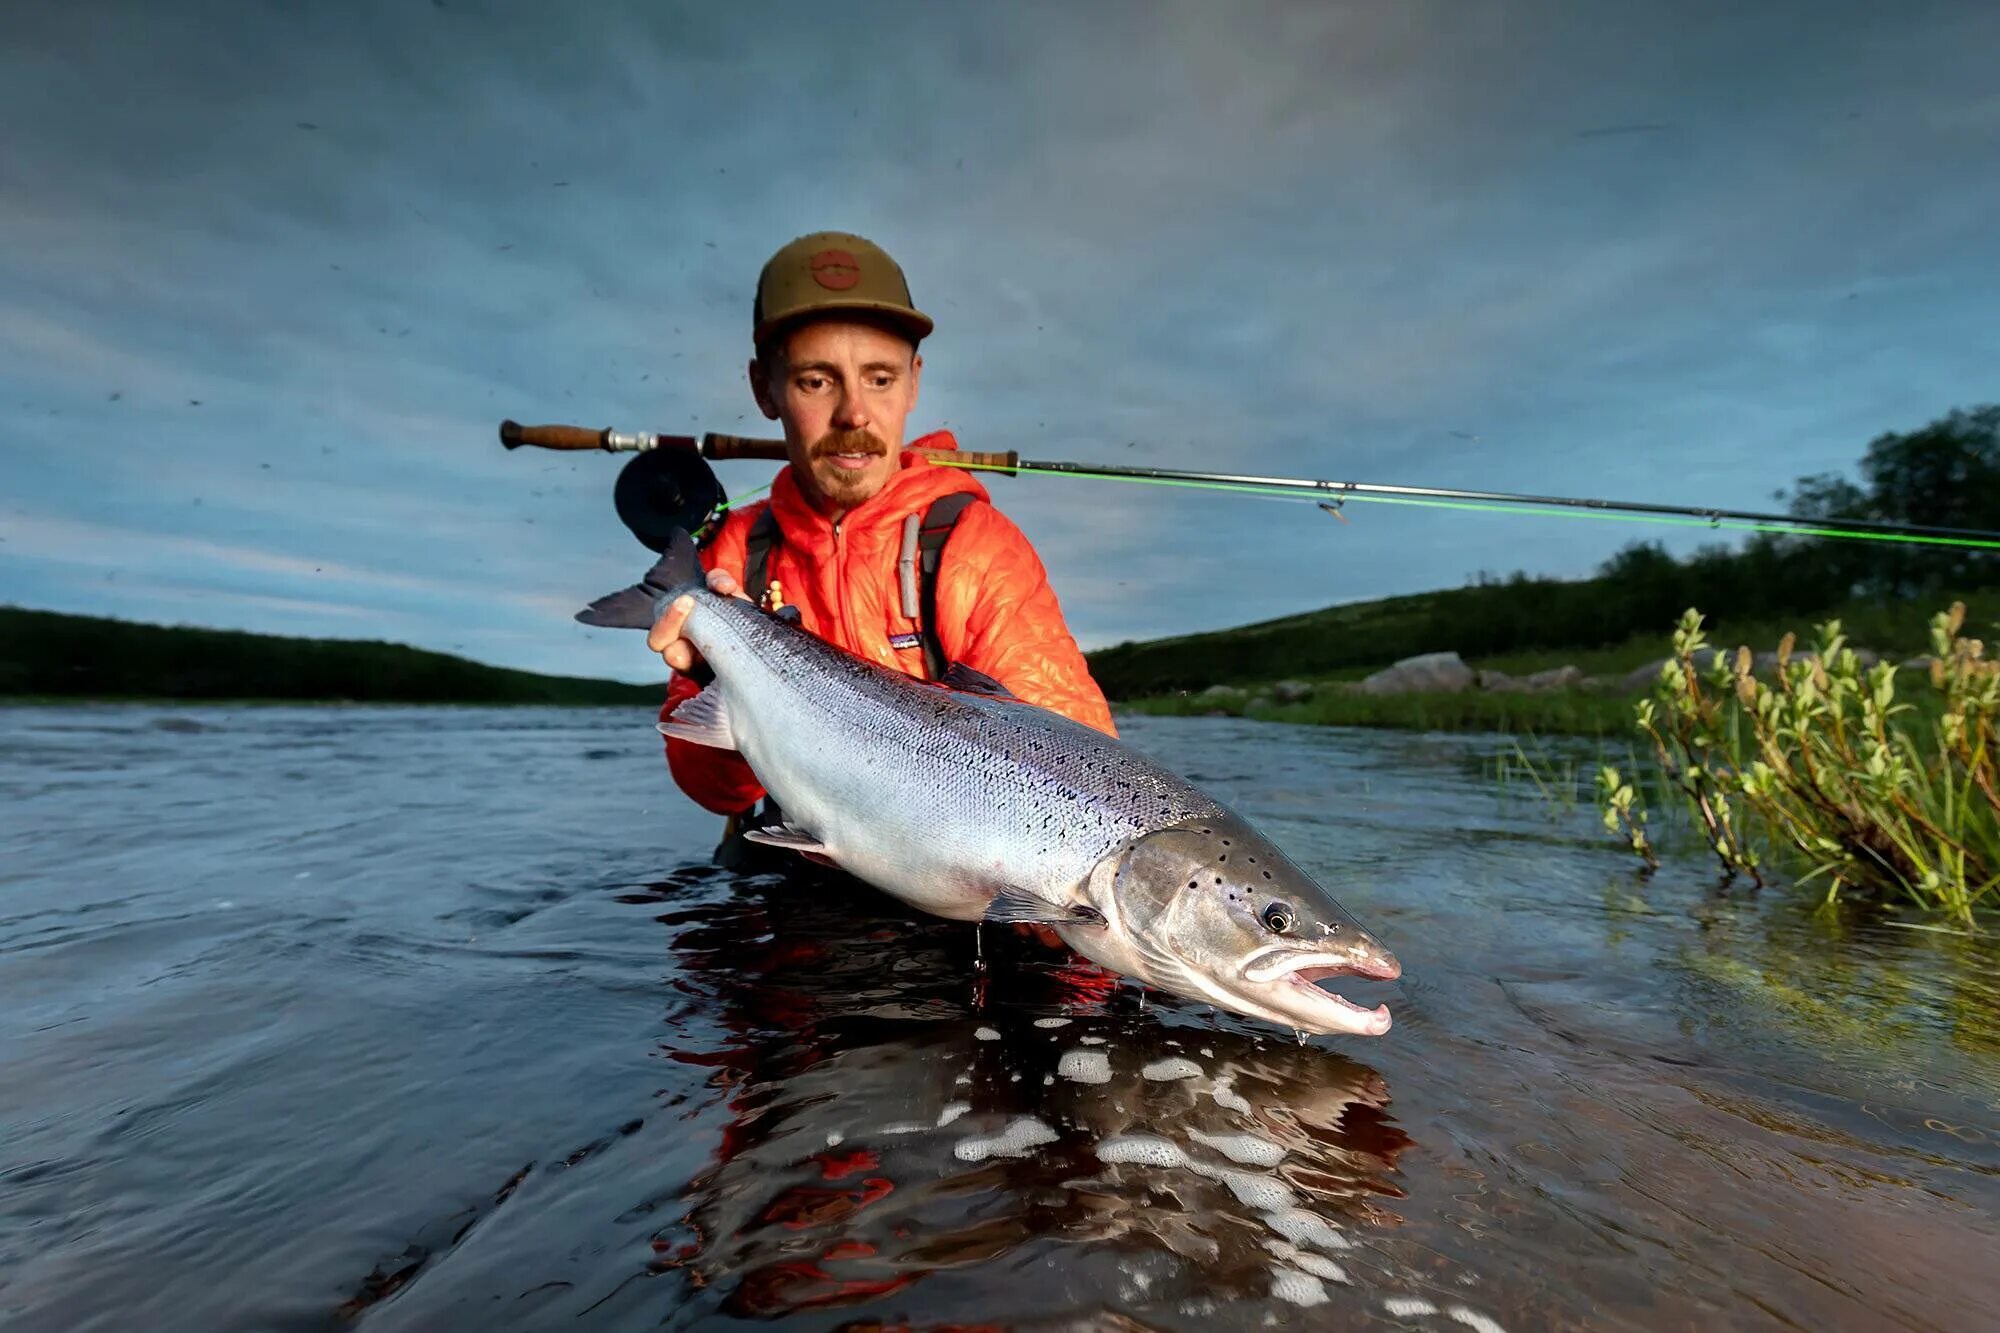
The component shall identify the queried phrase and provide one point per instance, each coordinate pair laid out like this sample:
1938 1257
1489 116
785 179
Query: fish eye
1278 919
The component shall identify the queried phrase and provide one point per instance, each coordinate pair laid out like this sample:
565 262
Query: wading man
879 550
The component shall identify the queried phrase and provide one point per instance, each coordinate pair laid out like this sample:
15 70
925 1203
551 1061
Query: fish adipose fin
1027 907
961 677
678 570
787 835
704 720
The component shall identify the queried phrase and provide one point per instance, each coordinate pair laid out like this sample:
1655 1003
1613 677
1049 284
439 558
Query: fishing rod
674 454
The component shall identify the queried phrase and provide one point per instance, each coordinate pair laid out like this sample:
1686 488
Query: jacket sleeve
717 780
994 585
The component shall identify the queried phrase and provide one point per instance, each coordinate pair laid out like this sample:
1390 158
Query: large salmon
971 805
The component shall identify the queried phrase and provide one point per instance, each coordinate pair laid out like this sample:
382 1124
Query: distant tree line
45 653
1946 474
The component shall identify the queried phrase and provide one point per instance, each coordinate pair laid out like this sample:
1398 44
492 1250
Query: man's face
843 392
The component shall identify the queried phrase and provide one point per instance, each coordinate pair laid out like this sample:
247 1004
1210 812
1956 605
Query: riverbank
54 657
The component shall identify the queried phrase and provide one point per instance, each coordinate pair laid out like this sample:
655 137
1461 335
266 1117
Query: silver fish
969 804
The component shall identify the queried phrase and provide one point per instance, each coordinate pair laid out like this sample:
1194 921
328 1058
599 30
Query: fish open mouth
1290 983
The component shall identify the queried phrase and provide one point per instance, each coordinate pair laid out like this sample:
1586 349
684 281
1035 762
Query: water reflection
894 1119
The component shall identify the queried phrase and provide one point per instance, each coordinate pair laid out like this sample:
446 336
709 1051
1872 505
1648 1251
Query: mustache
862 441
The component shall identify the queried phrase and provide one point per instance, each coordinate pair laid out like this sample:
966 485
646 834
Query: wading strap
939 520
757 555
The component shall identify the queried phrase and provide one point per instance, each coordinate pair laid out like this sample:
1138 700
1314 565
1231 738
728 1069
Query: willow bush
1826 769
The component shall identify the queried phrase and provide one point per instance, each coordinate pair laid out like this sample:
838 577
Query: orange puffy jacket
996 611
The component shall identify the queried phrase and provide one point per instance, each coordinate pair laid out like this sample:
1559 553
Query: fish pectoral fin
702 720
788 835
1027 907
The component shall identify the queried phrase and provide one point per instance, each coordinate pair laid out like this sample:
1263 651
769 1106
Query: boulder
1291 691
1428 673
1645 677
1555 678
1220 692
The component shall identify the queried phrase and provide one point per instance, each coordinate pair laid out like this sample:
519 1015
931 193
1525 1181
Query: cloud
1330 240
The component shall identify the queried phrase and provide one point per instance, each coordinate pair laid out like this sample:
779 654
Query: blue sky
1678 252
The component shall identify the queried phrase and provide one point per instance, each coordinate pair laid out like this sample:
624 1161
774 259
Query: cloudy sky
272 274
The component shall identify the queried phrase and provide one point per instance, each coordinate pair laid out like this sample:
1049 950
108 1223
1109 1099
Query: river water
420 1019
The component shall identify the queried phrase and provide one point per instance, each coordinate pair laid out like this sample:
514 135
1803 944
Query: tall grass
1827 771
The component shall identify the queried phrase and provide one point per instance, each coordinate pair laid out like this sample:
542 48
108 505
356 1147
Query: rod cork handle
514 435
740 446
1005 462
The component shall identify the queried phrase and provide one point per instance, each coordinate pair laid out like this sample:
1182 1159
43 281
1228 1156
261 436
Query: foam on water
1474 1320
952 1112
1289 1284
1225 1096
1085 1066
1266 1193
834 1138
1144 1149
986 1034
1303 1228
1408 1307
1316 1264
1013 1141
1245 1148
1052 1022
1173 1067
1091 1041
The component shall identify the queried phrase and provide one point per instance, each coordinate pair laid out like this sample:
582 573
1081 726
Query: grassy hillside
48 654
1517 627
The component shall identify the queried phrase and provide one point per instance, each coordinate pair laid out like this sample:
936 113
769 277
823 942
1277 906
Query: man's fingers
667 629
723 584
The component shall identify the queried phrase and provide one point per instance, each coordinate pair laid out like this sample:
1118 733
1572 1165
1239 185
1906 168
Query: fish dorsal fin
787 835
959 676
702 720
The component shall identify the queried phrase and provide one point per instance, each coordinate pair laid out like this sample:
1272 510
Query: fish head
1212 910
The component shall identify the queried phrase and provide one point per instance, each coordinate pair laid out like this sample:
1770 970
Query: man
837 364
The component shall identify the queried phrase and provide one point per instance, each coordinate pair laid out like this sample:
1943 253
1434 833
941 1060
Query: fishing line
1339 496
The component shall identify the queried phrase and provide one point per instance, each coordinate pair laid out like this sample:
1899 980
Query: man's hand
666 638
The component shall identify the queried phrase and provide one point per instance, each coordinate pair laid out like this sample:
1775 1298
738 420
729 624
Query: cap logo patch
835 270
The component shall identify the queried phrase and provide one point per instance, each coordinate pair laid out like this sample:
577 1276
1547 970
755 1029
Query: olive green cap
827 273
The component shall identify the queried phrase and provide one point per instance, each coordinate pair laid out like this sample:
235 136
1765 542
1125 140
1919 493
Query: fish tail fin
678 570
